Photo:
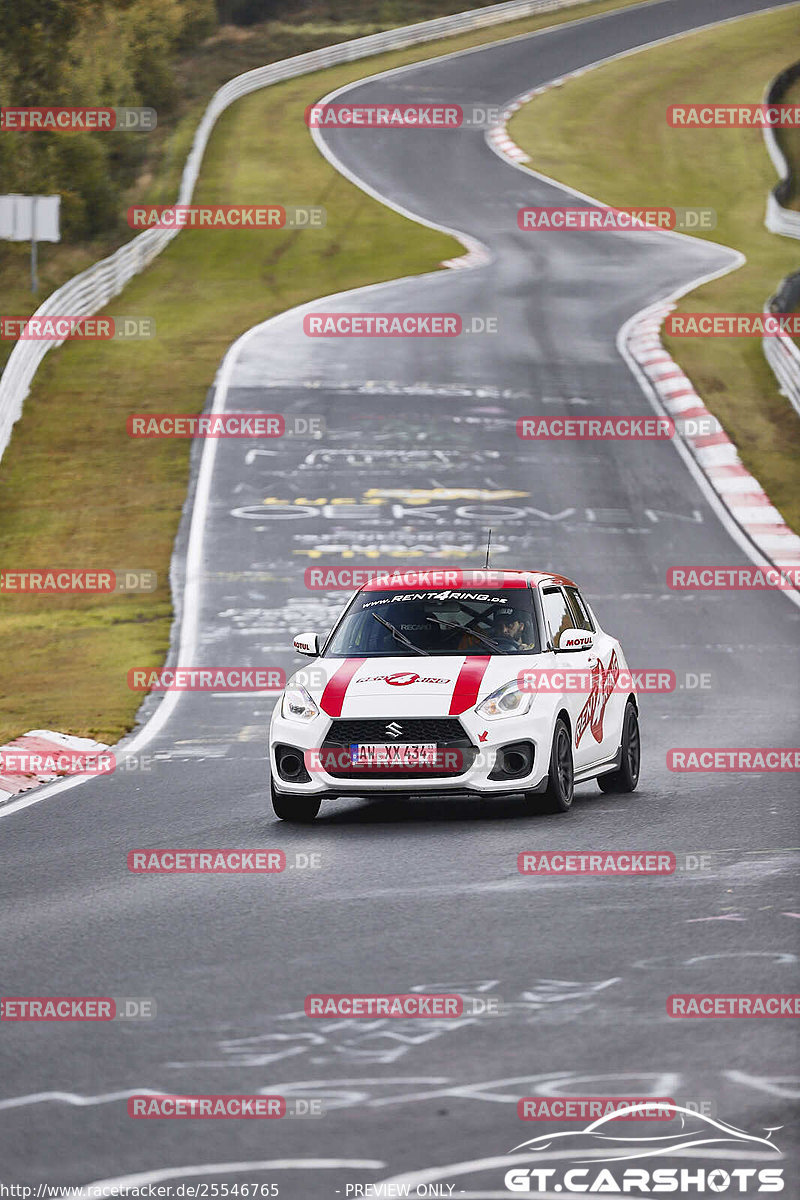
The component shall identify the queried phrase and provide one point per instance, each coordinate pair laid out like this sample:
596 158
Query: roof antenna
488 545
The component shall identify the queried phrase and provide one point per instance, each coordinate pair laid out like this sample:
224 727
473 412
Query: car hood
407 686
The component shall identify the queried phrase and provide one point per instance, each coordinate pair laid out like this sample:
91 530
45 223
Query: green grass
605 133
75 491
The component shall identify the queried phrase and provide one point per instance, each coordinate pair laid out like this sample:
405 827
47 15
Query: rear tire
299 810
626 778
557 797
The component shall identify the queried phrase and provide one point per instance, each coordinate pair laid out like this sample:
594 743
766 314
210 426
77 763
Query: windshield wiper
470 632
401 637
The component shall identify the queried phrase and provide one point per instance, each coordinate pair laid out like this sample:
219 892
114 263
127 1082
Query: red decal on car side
604 681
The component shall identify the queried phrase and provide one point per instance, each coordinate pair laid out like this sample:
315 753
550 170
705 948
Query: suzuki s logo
394 730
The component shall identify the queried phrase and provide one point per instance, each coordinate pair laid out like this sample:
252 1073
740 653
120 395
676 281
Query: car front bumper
487 738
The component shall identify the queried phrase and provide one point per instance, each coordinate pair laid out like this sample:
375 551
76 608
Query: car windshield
391 623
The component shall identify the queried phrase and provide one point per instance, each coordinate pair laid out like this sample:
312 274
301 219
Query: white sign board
29 218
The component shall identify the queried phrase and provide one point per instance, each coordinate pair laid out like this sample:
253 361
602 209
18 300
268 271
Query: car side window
557 612
579 610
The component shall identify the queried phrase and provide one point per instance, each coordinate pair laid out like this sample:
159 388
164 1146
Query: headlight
507 701
297 705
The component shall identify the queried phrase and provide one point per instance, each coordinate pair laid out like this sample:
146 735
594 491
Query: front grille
442 730
445 732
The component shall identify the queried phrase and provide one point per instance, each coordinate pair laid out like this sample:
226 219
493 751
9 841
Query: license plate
378 754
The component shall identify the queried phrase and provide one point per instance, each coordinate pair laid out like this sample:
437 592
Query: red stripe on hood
468 683
332 700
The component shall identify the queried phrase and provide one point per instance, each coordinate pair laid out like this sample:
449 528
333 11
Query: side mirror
306 643
574 639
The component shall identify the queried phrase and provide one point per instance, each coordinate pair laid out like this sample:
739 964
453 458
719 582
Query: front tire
626 778
299 810
557 797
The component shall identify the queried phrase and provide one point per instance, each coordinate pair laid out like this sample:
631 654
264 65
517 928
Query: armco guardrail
782 352
780 219
783 356
88 292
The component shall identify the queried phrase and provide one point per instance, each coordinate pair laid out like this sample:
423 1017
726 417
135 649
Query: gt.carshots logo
603 1172
639 1181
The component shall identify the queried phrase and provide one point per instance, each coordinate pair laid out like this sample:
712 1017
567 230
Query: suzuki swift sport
483 683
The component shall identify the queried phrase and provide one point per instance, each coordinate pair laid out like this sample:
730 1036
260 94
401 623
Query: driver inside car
508 628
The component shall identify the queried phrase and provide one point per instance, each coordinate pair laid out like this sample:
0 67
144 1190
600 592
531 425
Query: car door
600 726
578 666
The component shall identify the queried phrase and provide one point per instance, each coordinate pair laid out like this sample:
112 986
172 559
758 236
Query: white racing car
482 683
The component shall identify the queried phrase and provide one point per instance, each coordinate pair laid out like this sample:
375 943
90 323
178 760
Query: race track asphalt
425 895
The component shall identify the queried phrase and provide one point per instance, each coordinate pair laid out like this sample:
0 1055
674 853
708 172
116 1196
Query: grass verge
76 492
605 133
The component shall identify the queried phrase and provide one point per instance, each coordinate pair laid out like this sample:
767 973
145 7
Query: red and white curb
476 256
498 136
45 742
715 453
